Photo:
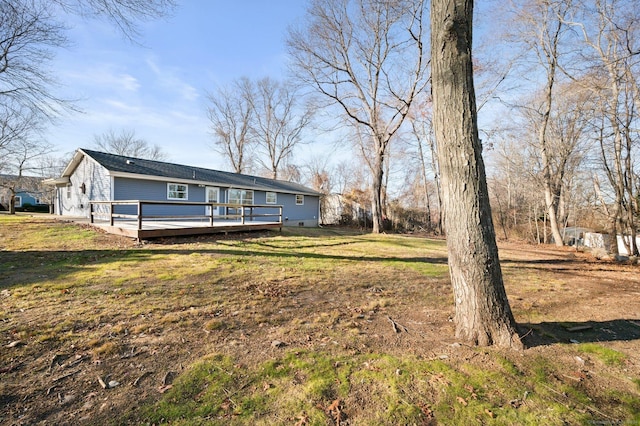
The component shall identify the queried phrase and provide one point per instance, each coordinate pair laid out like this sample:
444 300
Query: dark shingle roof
139 166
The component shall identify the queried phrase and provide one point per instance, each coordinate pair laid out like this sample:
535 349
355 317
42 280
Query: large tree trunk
425 185
12 203
436 178
482 312
376 202
552 201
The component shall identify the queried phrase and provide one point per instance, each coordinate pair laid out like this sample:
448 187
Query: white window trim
275 198
17 201
169 191
240 201
302 197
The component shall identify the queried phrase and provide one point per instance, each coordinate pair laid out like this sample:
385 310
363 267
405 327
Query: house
99 176
338 209
605 241
574 235
28 191
25 199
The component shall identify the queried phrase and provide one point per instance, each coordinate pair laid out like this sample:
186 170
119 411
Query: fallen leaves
302 420
335 413
165 388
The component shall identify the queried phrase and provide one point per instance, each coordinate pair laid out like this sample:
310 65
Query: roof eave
61 181
206 183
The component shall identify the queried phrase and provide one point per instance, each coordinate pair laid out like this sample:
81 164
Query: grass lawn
303 327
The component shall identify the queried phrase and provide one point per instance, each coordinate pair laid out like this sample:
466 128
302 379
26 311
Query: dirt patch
94 329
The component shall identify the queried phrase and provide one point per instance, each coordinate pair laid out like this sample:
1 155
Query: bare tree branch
368 58
127 144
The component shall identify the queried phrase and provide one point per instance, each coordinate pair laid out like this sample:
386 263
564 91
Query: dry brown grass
187 328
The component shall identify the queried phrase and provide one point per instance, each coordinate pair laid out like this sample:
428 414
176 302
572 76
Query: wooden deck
140 226
178 228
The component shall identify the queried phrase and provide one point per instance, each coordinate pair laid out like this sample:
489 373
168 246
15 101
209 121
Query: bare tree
127 144
610 30
29 34
231 115
482 312
344 176
422 130
421 133
319 174
540 26
17 125
31 31
516 200
368 58
279 119
19 160
290 172
519 170
123 14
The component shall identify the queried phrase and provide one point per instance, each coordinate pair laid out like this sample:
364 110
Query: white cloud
129 83
168 79
102 77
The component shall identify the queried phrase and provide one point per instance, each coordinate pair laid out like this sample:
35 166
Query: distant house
99 176
574 235
28 198
605 241
29 191
340 210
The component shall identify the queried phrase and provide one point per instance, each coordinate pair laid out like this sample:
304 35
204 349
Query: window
18 201
177 191
240 196
299 200
68 190
272 198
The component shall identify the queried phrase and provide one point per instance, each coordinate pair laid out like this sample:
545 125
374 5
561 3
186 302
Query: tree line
557 99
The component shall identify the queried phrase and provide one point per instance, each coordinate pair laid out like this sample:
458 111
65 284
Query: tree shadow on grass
549 333
563 265
31 267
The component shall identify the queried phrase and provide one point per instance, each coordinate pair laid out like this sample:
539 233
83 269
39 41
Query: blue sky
158 87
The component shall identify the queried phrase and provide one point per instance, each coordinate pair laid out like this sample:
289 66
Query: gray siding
138 189
98 188
304 215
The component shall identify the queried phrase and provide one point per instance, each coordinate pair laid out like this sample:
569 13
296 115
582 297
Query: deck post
242 214
139 215
110 214
90 212
211 215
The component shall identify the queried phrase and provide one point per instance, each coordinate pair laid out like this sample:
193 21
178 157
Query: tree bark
12 203
425 185
482 312
376 202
